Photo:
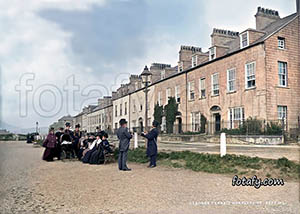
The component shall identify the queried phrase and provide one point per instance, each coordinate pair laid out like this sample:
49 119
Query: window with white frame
236 117
168 95
195 121
250 75
281 43
282 112
116 111
177 94
244 38
125 112
231 79
282 72
194 60
159 98
215 84
202 89
191 90
120 109
212 53
163 74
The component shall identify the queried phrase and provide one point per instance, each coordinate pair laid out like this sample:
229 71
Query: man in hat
124 137
68 136
58 135
77 136
152 144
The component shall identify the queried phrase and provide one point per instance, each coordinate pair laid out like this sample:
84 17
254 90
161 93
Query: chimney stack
265 17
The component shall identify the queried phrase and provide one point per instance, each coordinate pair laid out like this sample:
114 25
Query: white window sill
231 92
215 95
252 88
284 87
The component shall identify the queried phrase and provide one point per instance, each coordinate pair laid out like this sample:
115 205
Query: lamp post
37 127
146 78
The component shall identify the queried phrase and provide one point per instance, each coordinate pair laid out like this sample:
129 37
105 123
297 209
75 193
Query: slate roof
268 30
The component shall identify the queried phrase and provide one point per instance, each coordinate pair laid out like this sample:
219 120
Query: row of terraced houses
254 73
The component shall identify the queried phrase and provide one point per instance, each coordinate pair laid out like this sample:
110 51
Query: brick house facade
255 73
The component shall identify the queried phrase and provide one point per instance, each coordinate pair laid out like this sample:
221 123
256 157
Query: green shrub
274 129
284 162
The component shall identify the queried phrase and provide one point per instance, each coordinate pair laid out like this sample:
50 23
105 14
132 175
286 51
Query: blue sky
98 43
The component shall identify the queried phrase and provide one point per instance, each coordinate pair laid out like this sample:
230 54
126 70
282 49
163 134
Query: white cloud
238 15
32 44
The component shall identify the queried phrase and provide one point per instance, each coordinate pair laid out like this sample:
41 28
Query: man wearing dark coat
77 136
124 137
152 144
58 135
68 136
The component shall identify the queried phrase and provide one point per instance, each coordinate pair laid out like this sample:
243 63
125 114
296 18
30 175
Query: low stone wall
255 139
189 138
231 139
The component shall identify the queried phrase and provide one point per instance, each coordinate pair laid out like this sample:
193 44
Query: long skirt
88 154
49 153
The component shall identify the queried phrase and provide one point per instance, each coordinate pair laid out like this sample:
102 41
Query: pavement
30 185
291 152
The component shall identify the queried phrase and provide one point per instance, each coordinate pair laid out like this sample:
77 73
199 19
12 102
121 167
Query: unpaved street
30 185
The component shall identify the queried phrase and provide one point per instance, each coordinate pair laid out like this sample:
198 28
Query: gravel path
30 185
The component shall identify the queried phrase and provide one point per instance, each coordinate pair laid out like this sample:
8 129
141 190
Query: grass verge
229 164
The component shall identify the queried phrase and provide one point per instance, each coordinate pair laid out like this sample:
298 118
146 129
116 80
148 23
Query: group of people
91 148
65 143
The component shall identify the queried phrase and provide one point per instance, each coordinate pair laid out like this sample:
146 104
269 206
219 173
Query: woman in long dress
50 146
98 156
92 148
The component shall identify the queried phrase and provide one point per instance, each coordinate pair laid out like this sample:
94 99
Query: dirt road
30 185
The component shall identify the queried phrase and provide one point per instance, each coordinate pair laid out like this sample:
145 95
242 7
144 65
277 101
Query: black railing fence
246 127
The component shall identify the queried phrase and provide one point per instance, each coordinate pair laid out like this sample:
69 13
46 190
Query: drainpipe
186 102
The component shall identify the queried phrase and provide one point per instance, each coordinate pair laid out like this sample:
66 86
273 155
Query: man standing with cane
124 137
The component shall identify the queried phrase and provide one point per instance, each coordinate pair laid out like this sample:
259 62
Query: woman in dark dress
84 143
92 148
152 144
98 156
50 146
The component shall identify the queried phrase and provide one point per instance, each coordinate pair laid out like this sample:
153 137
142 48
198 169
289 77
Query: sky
57 56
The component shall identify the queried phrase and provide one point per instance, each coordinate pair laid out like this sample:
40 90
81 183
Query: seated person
93 147
105 144
98 156
83 145
90 141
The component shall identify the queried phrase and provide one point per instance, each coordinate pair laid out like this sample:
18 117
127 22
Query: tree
158 113
171 111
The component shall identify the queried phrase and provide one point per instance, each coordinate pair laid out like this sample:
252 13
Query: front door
217 122
179 125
